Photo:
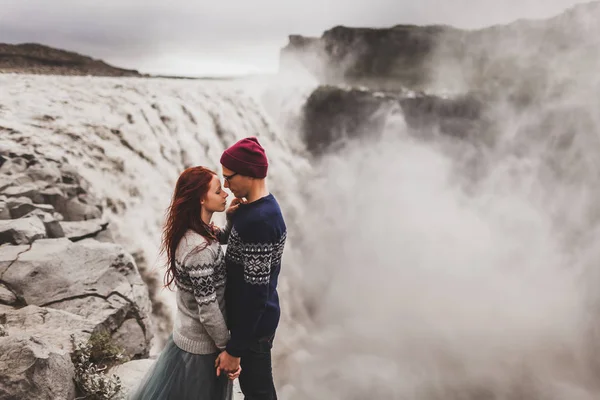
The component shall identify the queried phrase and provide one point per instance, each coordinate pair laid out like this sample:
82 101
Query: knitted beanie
246 157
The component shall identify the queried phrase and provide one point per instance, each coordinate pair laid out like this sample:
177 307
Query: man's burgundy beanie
246 157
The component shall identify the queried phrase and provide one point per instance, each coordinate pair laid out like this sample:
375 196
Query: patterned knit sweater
200 326
255 242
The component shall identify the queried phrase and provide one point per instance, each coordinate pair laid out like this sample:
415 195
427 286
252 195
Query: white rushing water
404 276
131 138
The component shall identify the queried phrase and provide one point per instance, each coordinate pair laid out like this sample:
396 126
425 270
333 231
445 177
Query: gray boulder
8 255
130 337
97 281
22 230
30 368
7 296
78 230
48 172
13 166
28 189
51 223
21 206
5 181
52 326
73 209
4 211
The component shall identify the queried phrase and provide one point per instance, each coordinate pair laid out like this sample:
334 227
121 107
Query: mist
446 269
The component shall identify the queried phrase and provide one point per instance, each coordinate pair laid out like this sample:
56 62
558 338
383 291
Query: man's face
236 183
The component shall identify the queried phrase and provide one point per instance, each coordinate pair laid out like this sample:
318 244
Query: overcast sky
222 37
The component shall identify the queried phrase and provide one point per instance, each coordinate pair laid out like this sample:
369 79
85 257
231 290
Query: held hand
235 204
227 363
234 375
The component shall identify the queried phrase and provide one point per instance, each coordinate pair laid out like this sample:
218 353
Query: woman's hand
234 375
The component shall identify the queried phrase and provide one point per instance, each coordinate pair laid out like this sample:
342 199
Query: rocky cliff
333 116
523 54
62 278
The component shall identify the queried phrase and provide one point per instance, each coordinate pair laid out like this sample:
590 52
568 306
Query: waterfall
131 138
417 267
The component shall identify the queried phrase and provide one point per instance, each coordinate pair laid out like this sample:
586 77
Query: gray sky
222 37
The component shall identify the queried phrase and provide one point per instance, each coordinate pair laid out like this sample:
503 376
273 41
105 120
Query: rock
110 311
68 204
8 255
51 194
53 326
130 337
3 331
53 228
107 236
7 296
51 223
32 369
74 210
97 281
70 176
21 206
48 173
460 116
21 231
385 58
18 179
13 166
70 189
415 56
4 211
333 115
132 372
15 201
5 182
30 190
78 230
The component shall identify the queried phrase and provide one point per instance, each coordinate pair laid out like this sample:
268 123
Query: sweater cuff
235 349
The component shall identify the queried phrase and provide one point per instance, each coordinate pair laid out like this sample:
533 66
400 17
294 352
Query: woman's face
216 198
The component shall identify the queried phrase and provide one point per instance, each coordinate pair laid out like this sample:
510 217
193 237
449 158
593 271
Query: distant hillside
32 58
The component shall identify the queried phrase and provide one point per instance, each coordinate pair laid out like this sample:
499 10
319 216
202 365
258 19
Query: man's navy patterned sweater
253 261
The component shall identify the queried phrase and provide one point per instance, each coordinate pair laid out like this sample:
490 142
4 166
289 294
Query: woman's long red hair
184 213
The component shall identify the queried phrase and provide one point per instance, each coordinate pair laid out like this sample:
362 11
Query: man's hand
235 204
227 363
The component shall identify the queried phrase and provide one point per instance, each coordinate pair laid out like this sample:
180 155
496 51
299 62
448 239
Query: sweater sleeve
200 264
257 253
223 233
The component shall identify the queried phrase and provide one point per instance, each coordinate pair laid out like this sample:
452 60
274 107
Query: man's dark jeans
256 379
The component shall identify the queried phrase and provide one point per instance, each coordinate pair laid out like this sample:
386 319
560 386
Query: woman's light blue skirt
179 375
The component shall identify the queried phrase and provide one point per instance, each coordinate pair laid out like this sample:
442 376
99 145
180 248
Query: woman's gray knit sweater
200 326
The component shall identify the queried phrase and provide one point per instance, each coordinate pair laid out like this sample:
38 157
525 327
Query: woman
185 368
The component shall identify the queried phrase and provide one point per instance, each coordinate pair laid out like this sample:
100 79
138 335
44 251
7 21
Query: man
253 260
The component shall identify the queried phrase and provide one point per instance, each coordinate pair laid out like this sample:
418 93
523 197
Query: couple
227 305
